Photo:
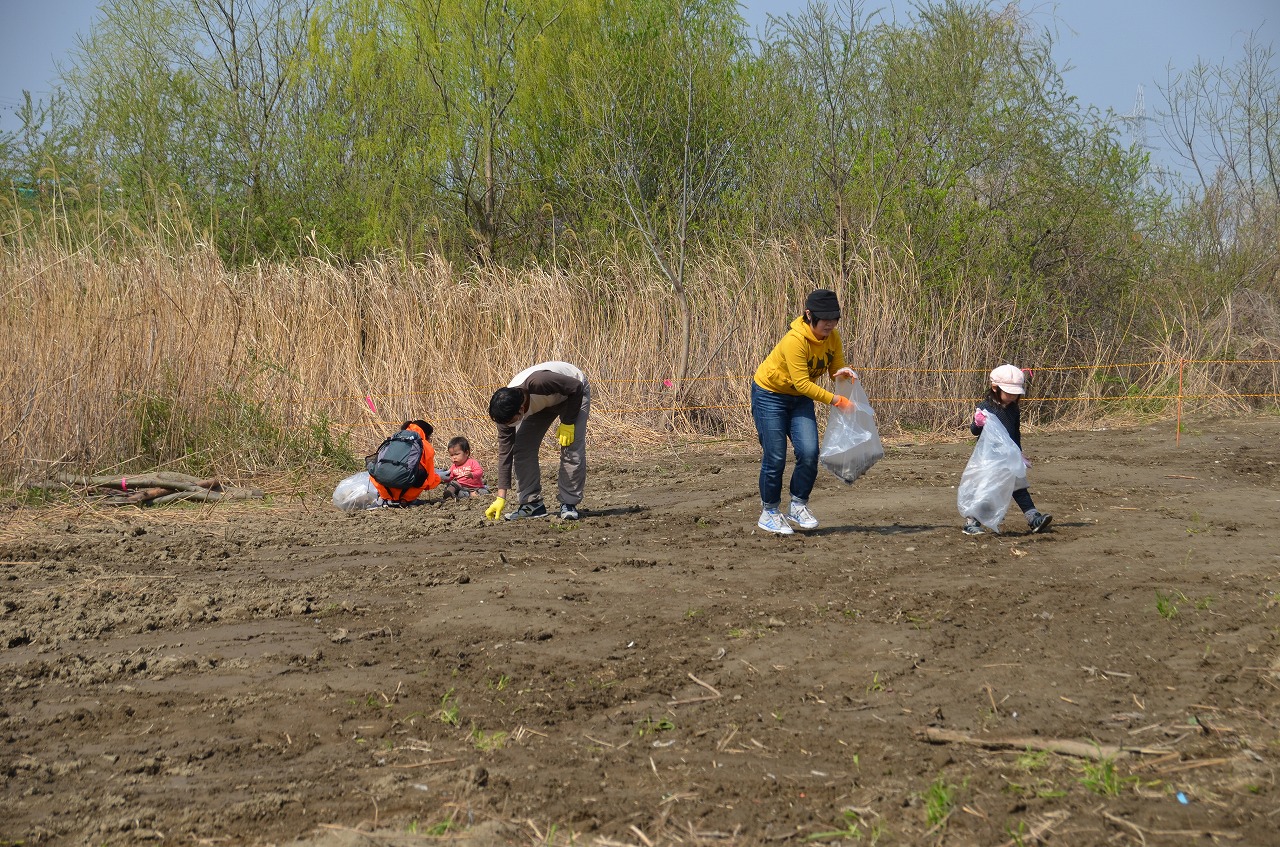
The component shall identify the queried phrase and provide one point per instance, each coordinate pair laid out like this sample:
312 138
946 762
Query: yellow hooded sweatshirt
798 359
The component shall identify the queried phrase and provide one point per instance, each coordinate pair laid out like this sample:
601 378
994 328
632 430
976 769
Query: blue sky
1113 46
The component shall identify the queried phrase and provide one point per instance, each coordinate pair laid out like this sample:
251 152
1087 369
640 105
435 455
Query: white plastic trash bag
851 444
994 472
355 492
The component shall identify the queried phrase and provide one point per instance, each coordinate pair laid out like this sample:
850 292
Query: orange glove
843 404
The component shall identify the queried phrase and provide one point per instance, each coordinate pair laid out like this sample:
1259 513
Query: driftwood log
153 489
1066 747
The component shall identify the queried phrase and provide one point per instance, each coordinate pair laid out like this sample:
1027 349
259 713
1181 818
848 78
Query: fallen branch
715 695
1180 833
1066 747
1190 766
1039 830
154 489
166 479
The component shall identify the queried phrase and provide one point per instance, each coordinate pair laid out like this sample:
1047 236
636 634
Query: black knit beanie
823 305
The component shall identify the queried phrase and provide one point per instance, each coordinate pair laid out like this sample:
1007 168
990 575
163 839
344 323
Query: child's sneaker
771 520
527 510
568 513
800 515
972 527
1038 521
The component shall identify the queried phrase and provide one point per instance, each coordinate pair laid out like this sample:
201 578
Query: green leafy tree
186 102
660 161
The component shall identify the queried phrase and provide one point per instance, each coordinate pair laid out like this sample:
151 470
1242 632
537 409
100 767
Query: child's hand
979 417
846 373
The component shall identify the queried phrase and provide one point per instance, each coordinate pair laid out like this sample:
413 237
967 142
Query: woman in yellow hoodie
782 397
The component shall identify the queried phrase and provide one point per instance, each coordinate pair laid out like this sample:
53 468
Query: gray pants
573 459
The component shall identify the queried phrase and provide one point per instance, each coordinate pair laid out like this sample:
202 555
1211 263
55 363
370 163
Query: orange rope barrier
665 382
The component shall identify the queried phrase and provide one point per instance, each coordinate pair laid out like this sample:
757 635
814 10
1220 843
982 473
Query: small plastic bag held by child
355 492
851 444
995 469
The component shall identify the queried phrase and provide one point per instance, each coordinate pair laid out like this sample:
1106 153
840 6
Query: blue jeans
778 417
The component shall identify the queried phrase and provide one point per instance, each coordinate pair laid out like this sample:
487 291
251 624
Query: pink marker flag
667 383
369 402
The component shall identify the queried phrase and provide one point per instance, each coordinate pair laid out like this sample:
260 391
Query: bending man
523 412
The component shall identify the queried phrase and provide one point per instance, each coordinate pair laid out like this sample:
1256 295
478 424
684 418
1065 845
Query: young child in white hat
1008 384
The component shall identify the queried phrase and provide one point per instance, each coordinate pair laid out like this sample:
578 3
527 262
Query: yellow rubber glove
565 434
494 512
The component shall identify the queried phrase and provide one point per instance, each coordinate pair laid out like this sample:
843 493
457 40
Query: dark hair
422 425
993 394
460 442
505 404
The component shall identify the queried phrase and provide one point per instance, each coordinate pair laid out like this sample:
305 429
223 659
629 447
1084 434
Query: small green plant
1041 788
876 684
850 827
1032 760
939 801
500 683
438 829
1203 603
692 613
648 726
449 710
1166 606
1101 778
1018 834
486 741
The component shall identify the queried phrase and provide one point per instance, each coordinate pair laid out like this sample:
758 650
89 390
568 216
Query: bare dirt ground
661 672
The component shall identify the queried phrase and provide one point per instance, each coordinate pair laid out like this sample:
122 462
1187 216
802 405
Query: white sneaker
800 515
771 520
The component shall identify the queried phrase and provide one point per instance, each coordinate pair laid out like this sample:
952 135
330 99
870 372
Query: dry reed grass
169 358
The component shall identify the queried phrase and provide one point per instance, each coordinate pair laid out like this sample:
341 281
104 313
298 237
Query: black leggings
1023 498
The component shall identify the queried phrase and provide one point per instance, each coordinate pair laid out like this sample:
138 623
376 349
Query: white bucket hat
1009 379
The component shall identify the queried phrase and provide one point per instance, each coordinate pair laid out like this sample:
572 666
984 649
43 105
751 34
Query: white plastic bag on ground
355 492
994 472
851 444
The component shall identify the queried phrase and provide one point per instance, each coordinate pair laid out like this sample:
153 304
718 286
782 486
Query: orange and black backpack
397 463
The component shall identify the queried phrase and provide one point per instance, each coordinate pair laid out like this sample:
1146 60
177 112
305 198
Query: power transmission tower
1136 120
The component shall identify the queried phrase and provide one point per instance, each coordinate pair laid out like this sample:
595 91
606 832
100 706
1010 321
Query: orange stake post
1177 437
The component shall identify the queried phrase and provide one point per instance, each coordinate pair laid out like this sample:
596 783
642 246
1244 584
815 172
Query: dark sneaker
972 527
527 510
568 513
1039 521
